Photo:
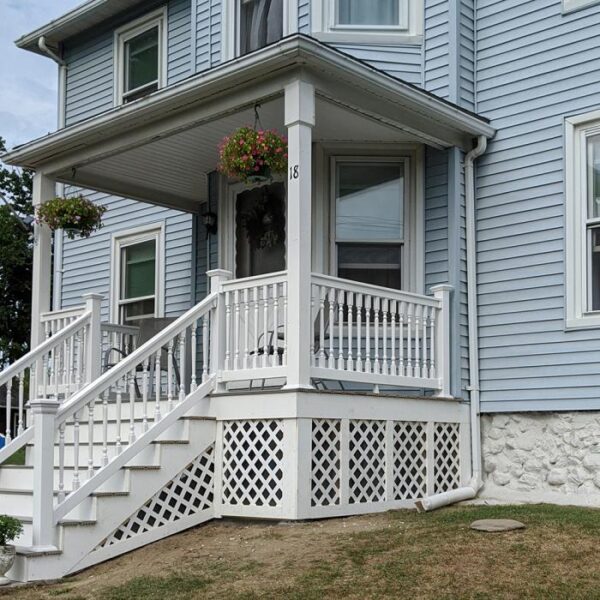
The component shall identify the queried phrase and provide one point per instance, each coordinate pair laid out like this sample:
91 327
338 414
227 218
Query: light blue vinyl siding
208 34
179 36
304 16
534 67
87 262
436 50
466 54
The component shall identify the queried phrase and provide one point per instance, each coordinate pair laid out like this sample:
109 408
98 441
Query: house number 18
294 172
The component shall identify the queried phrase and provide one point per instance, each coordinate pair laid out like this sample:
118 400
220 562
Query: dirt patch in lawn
393 555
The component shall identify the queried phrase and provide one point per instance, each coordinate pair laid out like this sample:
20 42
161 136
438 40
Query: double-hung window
583 220
369 223
137 278
260 23
387 14
140 57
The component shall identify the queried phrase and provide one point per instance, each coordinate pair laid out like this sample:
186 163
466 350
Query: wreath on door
264 224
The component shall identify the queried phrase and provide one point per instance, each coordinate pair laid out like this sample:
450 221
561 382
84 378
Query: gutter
471 490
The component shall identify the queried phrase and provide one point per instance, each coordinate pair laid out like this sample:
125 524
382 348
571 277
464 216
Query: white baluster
350 309
417 334
105 428
256 319
275 359
170 376
91 407
145 392
236 331
8 411
246 328
424 367
331 299
193 379
402 365
61 463
205 347
182 365
157 386
131 383
385 363
376 307
368 302
432 335
265 295
393 312
409 363
359 313
119 416
285 322
227 330
76 482
20 423
321 326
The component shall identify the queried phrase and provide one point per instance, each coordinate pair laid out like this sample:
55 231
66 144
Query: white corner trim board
573 5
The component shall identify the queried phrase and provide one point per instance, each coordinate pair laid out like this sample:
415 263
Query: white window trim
119 240
230 34
157 18
413 257
577 130
569 6
324 26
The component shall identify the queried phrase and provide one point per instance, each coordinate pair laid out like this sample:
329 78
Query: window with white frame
137 276
369 224
140 56
377 20
583 220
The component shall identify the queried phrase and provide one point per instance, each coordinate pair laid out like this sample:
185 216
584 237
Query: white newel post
93 351
442 339
299 120
44 414
217 278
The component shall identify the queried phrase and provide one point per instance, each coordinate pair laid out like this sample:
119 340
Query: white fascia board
293 52
75 21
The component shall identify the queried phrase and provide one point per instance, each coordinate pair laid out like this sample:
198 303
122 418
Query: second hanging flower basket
76 215
252 155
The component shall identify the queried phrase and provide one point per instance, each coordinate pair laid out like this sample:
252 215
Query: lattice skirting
252 473
189 493
357 462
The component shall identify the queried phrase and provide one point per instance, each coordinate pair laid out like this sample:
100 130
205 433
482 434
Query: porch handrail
45 347
144 352
63 313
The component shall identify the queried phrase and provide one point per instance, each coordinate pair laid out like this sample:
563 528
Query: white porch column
443 345
93 353
299 120
44 189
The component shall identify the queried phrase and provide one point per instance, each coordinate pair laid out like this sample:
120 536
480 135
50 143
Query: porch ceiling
160 149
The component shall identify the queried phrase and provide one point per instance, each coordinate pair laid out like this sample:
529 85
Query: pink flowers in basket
78 216
253 155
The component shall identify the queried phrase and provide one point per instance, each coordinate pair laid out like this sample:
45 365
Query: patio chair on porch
147 330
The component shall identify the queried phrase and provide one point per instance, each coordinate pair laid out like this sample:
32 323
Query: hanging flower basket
252 155
77 216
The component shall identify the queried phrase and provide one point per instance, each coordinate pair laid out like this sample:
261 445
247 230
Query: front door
260 230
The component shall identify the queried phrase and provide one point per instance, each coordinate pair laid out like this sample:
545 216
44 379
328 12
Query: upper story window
375 21
583 220
571 5
140 53
260 23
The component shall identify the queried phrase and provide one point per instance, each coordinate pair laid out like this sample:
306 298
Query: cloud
28 94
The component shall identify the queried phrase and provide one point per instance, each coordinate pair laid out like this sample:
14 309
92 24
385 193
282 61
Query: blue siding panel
534 67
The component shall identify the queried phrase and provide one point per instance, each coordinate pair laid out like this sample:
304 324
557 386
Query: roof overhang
76 21
161 148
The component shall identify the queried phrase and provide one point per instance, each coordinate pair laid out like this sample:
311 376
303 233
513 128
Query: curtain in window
368 12
261 23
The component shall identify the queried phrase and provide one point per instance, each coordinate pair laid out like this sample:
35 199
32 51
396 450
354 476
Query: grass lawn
394 555
18 458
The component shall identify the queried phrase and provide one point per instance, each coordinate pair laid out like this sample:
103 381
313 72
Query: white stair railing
55 369
133 402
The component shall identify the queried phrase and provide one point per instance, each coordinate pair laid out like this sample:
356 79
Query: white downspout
476 482
58 235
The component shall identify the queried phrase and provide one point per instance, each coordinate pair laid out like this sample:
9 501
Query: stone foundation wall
542 456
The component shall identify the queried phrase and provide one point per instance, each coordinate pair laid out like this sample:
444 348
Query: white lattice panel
410 460
187 494
325 462
446 456
367 461
252 463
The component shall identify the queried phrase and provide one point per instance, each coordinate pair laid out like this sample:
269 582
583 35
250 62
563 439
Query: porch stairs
165 489
113 464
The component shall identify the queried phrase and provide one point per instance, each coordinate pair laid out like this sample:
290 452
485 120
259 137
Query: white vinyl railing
255 327
370 334
55 369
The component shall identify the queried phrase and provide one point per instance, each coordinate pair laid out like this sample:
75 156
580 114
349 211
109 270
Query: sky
28 82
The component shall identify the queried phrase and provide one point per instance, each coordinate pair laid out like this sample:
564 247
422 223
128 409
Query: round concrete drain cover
495 525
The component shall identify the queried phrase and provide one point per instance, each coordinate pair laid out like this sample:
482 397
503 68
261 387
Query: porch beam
299 119
44 189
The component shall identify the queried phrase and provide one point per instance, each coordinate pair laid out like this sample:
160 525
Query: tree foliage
16 246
